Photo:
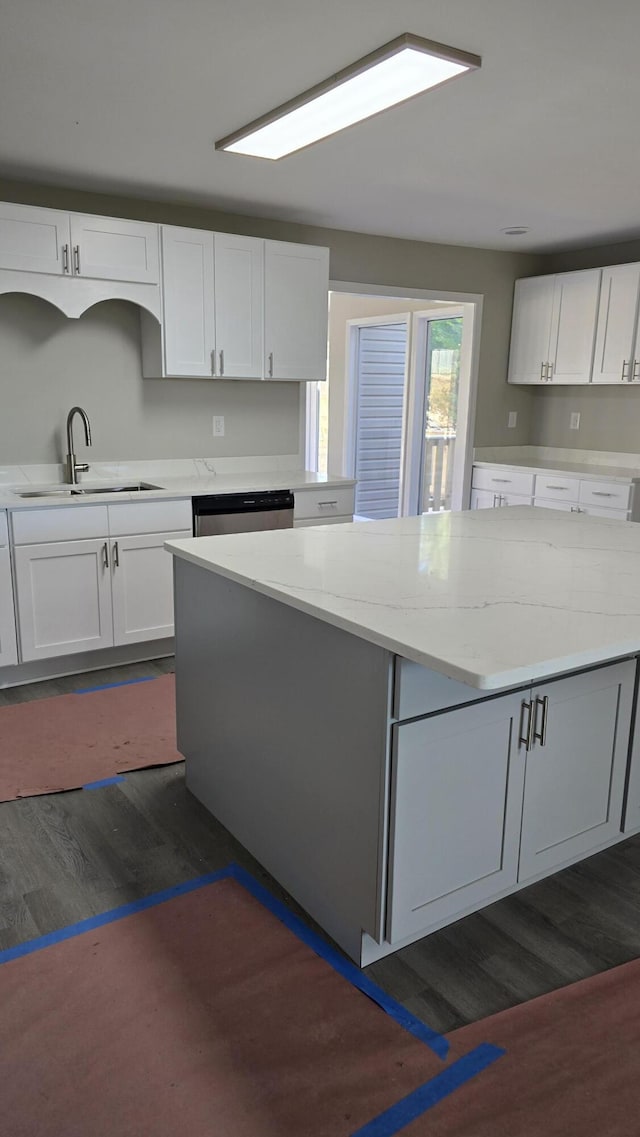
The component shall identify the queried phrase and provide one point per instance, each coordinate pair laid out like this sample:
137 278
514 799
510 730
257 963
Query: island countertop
493 598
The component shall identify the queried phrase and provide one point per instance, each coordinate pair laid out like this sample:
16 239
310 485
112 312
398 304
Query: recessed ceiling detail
400 70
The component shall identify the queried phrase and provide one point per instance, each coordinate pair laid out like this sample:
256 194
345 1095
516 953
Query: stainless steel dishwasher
242 512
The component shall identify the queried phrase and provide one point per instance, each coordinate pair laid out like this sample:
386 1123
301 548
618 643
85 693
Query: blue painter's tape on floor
106 686
393 1120
437 1042
104 782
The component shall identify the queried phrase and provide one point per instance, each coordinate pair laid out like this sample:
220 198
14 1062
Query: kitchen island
405 720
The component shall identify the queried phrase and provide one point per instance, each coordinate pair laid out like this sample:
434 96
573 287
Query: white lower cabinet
497 793
576 767
142 587
63 597
456 798
8 649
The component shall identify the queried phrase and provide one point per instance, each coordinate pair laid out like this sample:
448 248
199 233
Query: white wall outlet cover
218 426
574 421
513 418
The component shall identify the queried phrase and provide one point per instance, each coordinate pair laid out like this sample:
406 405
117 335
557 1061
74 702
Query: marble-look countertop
584 470
171 479
494 598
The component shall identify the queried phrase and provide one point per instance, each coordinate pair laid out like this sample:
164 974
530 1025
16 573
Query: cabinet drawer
598 511
606 494
500 480
128 519
4 532
544 503
549 486
60 523
419 691
324 502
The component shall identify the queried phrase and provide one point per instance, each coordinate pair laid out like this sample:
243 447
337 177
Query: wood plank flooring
64 857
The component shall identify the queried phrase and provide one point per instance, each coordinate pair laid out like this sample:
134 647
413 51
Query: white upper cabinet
189 324
554 328
239 306
573 326
107 248
34 240
617 358
296 311
530 329
98 248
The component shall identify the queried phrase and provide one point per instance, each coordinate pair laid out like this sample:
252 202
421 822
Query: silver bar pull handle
625 370
116 555
222 363
634 373
541 735
542 374
328 502
525 735
65 258
213 361
271 365
602 493
105 555
507 481
549 371
494 500
76 258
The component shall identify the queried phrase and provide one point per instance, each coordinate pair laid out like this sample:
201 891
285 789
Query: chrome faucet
71 466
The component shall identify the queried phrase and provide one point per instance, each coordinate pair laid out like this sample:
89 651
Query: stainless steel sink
81 491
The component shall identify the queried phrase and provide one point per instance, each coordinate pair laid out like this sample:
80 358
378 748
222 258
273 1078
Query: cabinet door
239 305
573 326
296 304
63 598
107 248
484 499
617 315
456 800
34 240
576 767
142 587
187 285
530 329
8 650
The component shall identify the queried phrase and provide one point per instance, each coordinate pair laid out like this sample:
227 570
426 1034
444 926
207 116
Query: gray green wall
173 420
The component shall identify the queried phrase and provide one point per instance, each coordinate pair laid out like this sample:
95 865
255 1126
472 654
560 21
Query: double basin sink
82 491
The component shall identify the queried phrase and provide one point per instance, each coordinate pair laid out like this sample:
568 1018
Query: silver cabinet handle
222 363
494 500
542 374
625 367
549 371
271 365
76 258
507 481
105 555
602 493
213 361
525 737
116 555
65 258
565 489
541 735
576 509
327 503
634 373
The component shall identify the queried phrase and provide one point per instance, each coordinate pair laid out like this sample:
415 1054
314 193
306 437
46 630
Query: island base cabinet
576 766
457 785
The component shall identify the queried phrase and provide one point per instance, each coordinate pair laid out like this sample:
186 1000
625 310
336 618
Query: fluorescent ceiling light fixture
400 70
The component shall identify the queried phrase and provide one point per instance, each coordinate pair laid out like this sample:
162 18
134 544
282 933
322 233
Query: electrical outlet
218 426
574 421
513 418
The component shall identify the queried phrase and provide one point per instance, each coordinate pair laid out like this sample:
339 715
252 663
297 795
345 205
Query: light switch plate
574 421
218 426
513 418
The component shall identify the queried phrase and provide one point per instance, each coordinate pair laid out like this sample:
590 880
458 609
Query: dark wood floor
67 856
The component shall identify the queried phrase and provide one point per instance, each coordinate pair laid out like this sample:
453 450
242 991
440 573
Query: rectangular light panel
399 71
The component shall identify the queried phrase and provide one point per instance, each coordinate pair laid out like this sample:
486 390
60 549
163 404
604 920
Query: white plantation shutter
380 375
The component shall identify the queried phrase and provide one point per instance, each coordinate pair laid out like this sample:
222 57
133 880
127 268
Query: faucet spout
71 466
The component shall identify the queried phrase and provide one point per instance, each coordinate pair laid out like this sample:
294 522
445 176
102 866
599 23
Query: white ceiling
128 96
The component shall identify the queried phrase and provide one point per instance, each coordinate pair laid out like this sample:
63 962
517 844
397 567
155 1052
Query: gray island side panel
282 719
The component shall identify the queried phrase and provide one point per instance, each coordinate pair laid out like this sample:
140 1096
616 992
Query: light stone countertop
494 598
191 482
